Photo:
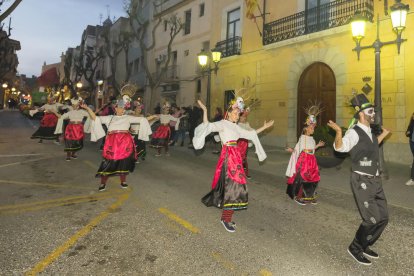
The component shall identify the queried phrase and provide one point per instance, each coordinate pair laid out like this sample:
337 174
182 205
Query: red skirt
162 132
74 137
49 120
243 145
308 168
74 132
231 155
118 145
229 189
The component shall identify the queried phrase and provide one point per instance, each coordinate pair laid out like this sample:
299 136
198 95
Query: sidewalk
336 179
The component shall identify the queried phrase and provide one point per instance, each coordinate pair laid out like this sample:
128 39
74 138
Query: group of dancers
126 134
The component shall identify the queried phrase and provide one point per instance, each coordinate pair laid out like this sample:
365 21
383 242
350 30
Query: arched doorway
317 83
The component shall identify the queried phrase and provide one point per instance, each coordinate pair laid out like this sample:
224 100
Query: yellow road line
57 204
58 200
40 266
28 161
27 183
179 220
90 164
265 272
225 263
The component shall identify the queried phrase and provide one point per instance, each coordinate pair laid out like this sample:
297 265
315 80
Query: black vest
365 154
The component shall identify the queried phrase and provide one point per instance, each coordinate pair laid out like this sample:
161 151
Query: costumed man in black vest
365 178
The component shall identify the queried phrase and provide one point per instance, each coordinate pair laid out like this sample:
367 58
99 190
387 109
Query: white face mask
369 112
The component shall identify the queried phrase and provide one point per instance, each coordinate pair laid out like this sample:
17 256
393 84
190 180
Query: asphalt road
53 220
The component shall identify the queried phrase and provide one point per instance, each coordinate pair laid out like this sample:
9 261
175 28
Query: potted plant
327 157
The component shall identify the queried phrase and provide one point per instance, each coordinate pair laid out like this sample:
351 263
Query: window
186 53
233 24
198 86
136 65
206 46
317 15
187 24
201 10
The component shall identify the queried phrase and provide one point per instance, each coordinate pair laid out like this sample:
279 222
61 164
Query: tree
143 30
85 66
8 57
112 48
9 10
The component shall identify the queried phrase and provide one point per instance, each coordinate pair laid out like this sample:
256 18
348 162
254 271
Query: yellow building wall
275 70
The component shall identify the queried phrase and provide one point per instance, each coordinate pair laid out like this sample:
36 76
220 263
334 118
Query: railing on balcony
229 47
164 5
331 15
171 75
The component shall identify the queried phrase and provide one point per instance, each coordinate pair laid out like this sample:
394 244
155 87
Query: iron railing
170 75
331 15
229 47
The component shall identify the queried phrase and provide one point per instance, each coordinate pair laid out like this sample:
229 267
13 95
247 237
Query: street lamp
206 60
398 18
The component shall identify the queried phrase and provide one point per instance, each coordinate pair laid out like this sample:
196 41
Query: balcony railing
163 5
229 47
171 75
327 16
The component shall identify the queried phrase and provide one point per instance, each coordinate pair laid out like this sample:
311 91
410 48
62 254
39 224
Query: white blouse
304 142
228 131
75 115
53 107
166 118
122 123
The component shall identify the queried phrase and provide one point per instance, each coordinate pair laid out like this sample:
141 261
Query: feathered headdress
129 89
312 110
76 101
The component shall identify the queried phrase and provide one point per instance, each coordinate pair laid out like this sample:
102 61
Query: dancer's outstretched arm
204 108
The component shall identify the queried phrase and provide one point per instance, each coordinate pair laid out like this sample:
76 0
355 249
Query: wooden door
317 83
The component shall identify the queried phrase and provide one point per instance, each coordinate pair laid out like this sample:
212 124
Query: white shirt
304 142
228 131
75 115
166 118
53 107
123 122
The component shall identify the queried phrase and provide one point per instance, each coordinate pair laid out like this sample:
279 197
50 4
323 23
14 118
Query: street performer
365 177
48 123
119 149
74 131
229 187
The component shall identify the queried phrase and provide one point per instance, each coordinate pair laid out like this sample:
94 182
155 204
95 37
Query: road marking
20 155
55 202
28 183
89 163
40 266
179 220
225 263
23 162
265 272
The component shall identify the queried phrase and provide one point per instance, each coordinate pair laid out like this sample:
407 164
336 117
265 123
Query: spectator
410 135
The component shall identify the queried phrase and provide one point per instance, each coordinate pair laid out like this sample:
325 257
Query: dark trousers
412 165
372 206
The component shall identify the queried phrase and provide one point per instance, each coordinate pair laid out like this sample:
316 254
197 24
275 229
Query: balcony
169 76
229 47
327 16
164 5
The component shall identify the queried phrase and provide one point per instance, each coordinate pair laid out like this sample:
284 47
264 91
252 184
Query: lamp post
398 18
3 100
208 62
